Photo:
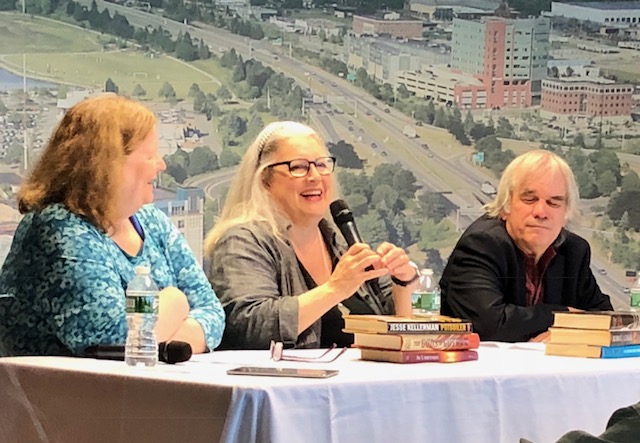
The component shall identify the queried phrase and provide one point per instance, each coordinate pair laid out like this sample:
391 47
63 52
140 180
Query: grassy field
65 54
35 34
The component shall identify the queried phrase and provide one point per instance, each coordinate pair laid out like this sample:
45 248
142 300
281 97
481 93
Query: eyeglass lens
300 167
277 354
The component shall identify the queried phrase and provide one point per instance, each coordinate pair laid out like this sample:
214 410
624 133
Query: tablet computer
283 372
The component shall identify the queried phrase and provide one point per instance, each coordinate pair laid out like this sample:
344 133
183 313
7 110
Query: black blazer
484 282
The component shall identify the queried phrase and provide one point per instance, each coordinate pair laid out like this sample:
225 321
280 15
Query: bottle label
430 301
423 301
142 304
635 299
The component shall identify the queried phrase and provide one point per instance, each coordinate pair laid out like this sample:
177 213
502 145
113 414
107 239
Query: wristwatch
408 282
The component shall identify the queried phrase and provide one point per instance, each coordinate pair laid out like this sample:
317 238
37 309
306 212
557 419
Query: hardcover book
417 356
607 320
417 342
391 324
595 337
572 350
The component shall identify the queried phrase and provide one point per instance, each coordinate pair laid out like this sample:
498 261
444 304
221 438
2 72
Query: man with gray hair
517 264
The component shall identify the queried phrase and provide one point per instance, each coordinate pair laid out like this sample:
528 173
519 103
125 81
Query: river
10 81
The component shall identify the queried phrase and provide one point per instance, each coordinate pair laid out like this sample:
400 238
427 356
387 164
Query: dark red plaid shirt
534 273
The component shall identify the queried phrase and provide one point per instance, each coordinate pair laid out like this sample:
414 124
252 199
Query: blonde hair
81 165
249 199
538 161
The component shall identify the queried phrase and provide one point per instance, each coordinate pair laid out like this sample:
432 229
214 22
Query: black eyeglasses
300 166
277 354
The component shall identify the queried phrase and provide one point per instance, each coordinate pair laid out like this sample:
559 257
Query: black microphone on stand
343 218
168 352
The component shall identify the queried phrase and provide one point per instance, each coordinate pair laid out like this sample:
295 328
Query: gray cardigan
256 276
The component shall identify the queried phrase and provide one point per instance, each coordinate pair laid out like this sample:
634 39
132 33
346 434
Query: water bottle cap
143 270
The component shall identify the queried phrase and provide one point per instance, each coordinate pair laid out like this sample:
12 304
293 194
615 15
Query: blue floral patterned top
62 286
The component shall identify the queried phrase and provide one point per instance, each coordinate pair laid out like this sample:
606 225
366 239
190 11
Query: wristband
403 283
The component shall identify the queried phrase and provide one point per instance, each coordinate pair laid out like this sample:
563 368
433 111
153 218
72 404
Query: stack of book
411 339
606 334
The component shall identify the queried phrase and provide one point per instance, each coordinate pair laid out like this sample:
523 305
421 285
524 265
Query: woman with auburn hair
88 222
276 263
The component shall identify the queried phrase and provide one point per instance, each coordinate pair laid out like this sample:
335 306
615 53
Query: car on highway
430 154
425 146
626 290
602 271
374 146
383 153
378 119
387 110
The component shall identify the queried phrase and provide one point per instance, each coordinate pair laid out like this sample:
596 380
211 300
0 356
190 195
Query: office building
621 14
387 24
185 208
383 58
446 86
586 97
508 55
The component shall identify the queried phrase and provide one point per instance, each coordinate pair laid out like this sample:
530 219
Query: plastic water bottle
426 298
635 296
142 314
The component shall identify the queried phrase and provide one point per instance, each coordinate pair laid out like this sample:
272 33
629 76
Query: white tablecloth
509 393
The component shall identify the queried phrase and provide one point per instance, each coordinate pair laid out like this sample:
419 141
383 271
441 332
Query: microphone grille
340 212
177 352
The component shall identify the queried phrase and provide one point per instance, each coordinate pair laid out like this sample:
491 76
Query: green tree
358 204
224 93
228 158
468 122
373 228
355 184
345 154
233 124
403 92
630 182
432 206
195 88
386 200
204 53
625 202
440 119
605 160
110 86
185 49
202 159
177 171
167 92
139 91
504 129
606 183
383 174
431 233
404 181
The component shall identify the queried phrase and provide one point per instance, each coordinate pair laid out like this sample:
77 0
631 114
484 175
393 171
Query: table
510 392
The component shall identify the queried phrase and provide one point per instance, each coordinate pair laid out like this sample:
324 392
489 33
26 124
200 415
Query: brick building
582 96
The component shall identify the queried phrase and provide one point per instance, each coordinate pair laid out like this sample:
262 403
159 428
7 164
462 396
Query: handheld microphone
168 352
343 218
